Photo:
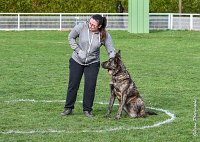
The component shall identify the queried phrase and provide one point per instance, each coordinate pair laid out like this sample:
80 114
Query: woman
86 39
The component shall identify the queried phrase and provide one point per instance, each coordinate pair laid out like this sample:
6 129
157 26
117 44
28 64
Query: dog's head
113 64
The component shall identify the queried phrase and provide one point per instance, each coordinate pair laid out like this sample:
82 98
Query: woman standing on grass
86 39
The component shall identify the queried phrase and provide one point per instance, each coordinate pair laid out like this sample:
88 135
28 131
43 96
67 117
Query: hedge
92 6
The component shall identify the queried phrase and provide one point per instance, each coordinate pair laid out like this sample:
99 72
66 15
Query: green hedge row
60 6
92 6
172 6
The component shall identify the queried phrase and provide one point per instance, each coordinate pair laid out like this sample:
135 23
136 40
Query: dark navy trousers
76 71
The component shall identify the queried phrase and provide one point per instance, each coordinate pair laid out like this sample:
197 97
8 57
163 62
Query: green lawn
165 66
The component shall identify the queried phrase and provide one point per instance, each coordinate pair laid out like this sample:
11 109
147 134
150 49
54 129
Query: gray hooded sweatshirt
80 38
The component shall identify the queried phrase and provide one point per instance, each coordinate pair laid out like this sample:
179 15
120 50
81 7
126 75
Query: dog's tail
150 113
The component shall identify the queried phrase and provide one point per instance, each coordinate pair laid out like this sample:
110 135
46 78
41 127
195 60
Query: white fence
174 21
65 21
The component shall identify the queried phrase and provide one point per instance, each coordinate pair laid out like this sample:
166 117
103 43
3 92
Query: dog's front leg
121 105
112 100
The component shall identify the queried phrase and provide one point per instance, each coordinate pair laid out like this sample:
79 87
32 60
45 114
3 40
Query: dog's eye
110 59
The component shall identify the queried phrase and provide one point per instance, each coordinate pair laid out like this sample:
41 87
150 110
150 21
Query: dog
124 88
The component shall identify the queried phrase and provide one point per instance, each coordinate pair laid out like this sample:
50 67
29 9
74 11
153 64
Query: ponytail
103 30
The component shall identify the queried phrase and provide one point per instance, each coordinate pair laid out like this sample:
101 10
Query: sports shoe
88 113
67 111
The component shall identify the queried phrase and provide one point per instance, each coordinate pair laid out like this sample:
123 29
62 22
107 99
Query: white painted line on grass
171 115
195 117
36 101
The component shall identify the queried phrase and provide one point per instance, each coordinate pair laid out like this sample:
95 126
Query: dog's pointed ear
117 57
118 54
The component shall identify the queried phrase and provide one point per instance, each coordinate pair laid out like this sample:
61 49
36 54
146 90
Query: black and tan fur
123 87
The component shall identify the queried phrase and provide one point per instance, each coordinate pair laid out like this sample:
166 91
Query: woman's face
93 25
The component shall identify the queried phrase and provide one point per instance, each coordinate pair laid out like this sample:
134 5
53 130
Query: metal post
138 16
60 22
171 24
191 22
18 22
180 6
180 12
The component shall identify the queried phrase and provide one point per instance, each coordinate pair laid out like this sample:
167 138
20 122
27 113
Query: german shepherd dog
123 87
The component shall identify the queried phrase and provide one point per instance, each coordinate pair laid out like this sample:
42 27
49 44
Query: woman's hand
82 54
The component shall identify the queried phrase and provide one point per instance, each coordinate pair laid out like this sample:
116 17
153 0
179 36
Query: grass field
165 66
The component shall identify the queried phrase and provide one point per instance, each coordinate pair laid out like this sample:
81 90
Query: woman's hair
103 22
